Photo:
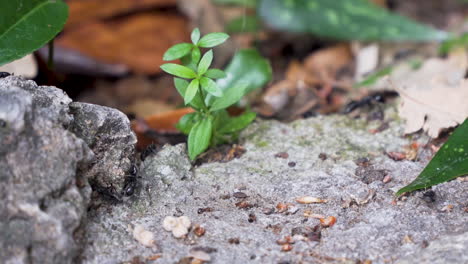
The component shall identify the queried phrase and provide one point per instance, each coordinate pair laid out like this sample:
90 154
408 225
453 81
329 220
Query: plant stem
50 62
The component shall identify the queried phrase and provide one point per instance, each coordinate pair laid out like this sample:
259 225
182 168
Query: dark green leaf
247 69
25 26
177 51
448 163
199 137
349 20
186 123
178 70
247 3
196 55
244 24
210 86
215 74
181 86
192 90
195 36
237 123
213 39
205 62
230 97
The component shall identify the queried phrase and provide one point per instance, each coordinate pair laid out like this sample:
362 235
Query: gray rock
371 224
446 250
49 148
43 192
108 133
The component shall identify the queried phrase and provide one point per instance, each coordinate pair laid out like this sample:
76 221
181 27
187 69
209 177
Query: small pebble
282 155
239 195
292 164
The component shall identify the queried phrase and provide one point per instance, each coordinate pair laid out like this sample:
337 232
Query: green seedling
210 124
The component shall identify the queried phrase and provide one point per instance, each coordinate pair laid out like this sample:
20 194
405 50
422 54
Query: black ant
376 97
4 74
149 151
131 181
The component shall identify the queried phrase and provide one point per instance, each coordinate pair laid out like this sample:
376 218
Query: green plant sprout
210 124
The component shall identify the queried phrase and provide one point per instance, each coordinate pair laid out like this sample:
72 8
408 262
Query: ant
131 181
4 74
373 98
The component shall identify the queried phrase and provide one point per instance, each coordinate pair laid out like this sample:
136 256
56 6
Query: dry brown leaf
82 11
138 42
435 97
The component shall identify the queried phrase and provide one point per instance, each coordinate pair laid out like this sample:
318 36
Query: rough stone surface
321 162
446 250
49 147
108 133
43 195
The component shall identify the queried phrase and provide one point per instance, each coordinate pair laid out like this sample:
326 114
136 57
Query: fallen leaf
138 41
435 96
83 11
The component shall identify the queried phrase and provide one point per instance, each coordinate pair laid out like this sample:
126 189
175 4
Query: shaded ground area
247 206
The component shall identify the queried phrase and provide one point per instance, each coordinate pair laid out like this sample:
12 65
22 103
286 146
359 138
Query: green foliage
211 124
25 26
244 24
247 3
345 19
453 43
449 162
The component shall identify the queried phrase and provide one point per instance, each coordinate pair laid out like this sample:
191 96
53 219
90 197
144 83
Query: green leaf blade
199 137
177 51
450 162
211 87
205 62
195 36
215 74
28 25
187 122
230 97
181 86
256 75
235 124
212 40
345 20
191 91
178 70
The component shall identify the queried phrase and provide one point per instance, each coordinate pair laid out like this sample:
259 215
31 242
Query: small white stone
184 221
145 237
169 223
179 231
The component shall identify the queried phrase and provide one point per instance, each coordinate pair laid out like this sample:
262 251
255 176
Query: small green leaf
196 54
181 86
177 51
450 162
205 62
210 86
215 74
230 97
192 90
26 26
347 20
237 123
199 137
195 36
186 123
244 24
254 76
453 43
178 70
213 39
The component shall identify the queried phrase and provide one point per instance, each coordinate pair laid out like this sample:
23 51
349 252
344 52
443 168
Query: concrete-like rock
43 194
321 162
108 133
446 250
